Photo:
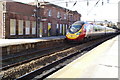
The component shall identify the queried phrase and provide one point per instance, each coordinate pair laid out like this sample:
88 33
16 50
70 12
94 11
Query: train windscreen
75 27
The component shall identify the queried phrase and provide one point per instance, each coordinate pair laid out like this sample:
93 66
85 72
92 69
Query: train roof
79 22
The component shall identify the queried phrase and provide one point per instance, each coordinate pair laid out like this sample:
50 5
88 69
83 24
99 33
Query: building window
66 27
57 29
57 26
65 16
71 17
60 28
58 15
50 13
27 30
12 27
20 27
41 29
33 27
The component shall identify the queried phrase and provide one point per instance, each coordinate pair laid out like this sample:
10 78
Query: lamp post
67 13
94 18
37 18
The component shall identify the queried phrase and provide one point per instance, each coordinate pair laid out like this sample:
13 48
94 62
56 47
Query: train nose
72 36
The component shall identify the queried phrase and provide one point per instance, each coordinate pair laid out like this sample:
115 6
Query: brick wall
54 20
19 11
16 12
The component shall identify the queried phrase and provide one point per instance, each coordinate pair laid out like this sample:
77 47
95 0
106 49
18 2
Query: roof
48 3
7 0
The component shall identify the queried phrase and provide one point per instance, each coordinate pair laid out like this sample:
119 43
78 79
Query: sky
107 11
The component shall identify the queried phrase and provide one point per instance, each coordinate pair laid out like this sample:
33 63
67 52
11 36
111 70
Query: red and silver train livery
82 30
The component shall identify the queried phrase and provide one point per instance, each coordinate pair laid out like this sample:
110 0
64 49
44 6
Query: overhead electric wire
74 3
67 2
97 3
93 6
61 1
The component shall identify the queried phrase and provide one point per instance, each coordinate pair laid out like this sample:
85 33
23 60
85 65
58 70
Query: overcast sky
107 11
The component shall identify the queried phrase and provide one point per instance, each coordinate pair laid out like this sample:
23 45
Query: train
83 31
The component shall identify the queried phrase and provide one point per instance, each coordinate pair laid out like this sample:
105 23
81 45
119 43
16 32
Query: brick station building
19 20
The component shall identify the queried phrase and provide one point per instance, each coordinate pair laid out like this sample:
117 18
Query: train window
87 27
95 28
75 28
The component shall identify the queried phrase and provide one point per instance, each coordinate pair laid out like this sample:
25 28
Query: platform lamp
37 17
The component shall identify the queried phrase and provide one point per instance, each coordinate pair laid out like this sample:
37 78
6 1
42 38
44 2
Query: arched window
65 16
58 15
50 13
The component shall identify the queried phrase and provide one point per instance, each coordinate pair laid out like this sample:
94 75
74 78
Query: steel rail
46 68
28 60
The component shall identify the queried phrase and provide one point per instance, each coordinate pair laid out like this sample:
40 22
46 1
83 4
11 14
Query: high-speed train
80 31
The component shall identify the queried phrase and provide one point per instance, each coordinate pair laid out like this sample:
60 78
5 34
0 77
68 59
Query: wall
22 14
53 20
18 20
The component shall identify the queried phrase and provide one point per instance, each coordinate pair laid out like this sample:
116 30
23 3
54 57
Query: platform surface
100 62
5 42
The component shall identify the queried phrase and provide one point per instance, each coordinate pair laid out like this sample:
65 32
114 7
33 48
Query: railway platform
13 46
6 42
100 62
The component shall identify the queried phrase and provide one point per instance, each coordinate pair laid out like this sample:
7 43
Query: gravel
18 71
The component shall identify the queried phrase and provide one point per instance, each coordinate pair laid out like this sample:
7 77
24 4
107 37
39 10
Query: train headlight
78 33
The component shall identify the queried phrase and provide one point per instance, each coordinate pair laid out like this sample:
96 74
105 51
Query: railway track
45 71
31 55
50 63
